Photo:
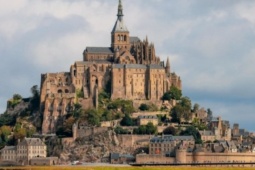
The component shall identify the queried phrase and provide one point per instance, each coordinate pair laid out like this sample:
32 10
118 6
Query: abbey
129 65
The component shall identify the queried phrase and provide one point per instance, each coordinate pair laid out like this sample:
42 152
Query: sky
210 44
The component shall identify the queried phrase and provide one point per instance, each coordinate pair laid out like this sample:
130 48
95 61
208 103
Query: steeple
167 68
120 33
120 11
120 25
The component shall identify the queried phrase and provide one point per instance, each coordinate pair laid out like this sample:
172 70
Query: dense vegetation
107 110
17 122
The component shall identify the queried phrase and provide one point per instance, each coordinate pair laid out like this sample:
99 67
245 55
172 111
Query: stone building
29 148
8 153
167 144
25 150
144 120
129 65
220 128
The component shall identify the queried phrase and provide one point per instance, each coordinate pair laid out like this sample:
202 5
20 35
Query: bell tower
120 33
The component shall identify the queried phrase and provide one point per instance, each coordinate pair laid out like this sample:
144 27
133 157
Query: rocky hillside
96 148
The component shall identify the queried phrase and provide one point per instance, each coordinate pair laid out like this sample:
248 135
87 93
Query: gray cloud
210 44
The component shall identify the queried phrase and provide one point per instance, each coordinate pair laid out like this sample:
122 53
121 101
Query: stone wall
201 157
137 103
147 113
133 140
197 157
144 158
88 131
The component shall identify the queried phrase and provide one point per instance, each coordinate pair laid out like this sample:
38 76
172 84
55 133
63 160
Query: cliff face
95 148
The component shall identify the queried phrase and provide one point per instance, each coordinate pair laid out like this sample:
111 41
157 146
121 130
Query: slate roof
106 50
148 117
115 155
135 66
9 148
119 26
206 132
32 142
134 39
156 66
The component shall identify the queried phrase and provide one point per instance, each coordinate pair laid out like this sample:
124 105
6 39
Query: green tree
127 121
79 93
195 107
120 130
92 117
7 119
173 93
17 97
170 131
150 128
103 99
144 107
209 113
182 111
5 131
30 132
20 133
77 110
146 129
34 103
107 116
191 130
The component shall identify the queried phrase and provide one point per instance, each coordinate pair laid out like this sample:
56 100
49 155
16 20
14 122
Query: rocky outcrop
95 148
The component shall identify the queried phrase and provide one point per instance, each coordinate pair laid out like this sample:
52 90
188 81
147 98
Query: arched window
66 91
125 38
119 37
59 91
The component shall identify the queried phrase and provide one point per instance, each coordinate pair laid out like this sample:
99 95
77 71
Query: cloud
210 44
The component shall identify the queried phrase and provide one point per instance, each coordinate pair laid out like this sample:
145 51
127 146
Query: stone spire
167 66
120 25
120 11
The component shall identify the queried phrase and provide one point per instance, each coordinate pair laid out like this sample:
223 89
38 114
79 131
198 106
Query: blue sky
210 45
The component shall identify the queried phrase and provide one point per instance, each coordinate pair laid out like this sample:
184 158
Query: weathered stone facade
129 65
25 150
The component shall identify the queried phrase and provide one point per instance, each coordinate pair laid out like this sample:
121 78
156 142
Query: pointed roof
167 62
119 24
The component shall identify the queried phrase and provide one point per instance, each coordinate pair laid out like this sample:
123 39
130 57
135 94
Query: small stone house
144 120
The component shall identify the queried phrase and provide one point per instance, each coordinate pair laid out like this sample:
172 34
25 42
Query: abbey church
129 65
